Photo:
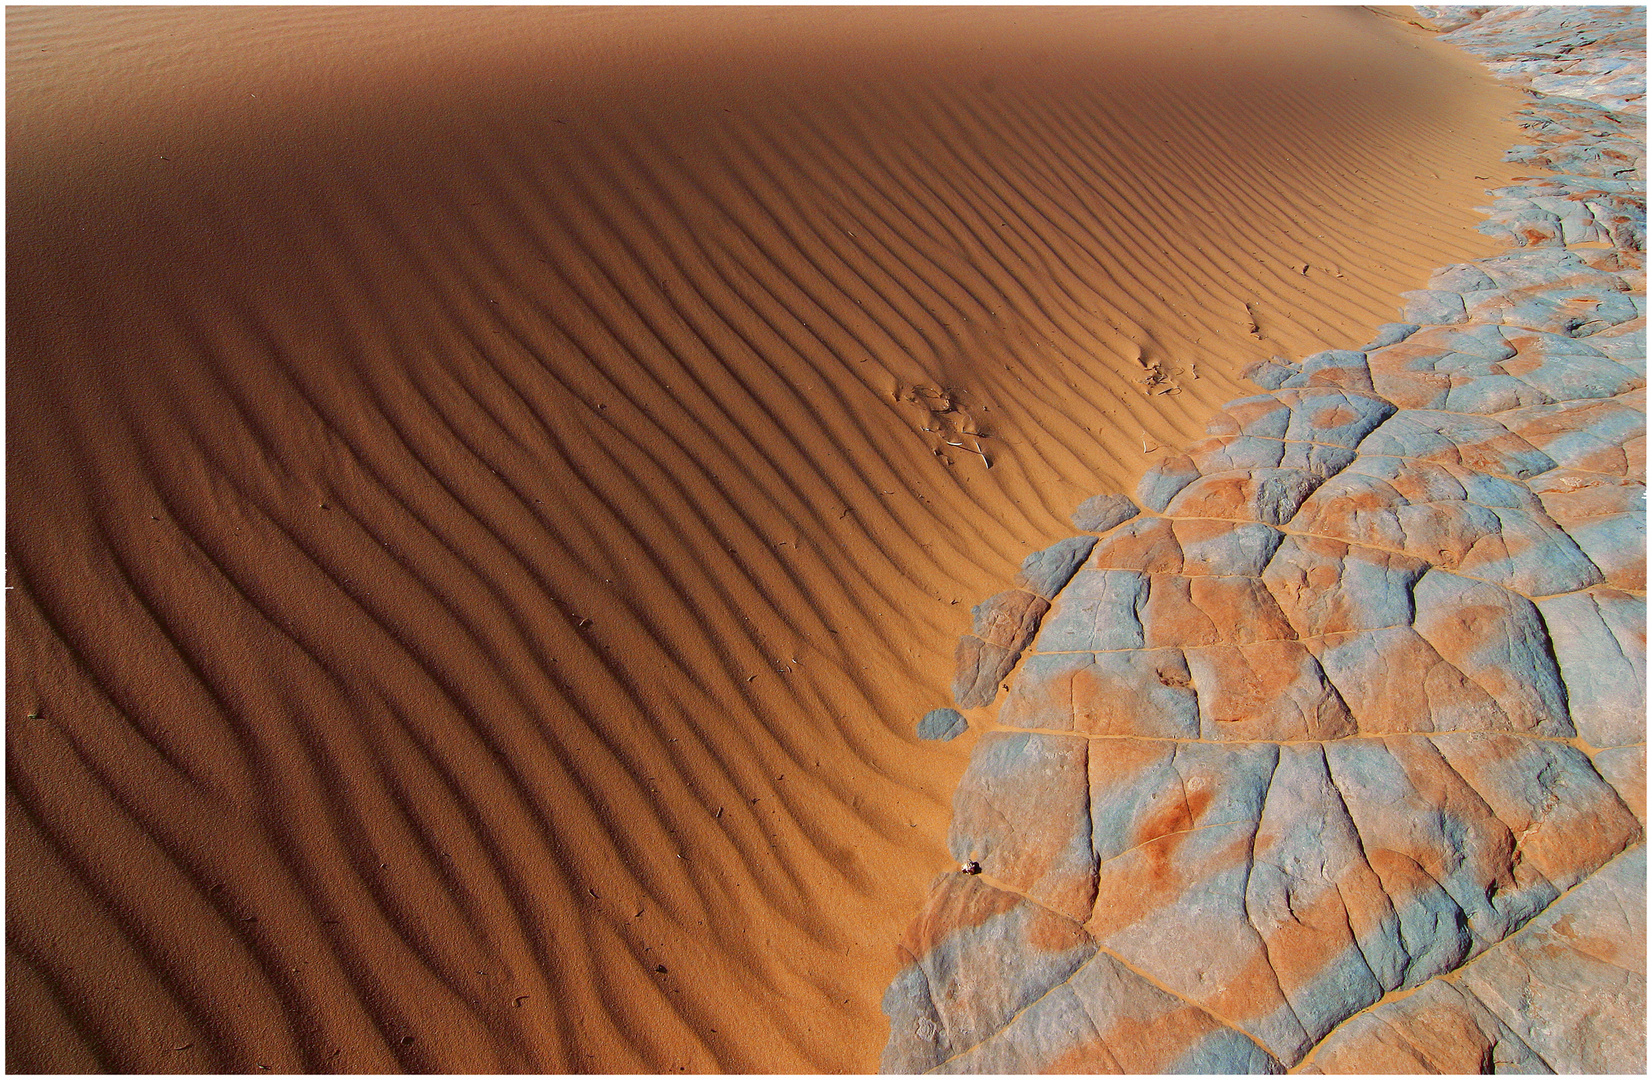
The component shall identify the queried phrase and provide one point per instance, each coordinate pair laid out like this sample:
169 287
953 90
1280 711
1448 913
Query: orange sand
476 552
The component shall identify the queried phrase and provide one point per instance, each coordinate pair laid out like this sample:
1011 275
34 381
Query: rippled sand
491 491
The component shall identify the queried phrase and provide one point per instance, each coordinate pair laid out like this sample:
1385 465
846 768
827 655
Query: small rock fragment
942 725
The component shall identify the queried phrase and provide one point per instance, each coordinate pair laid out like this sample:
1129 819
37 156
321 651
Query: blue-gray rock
1616 545
1599 639
1439 1030
1625 344
1002 627
1477 442
1198 805
1405 798
1528 553
1129 692
1316 459
1564 820
1577 376
1572 986
1263 416
1526 225
1592 436
1225 453
1339 417
1496 638
979 669
1162 480
1045 572
1328 587
1269 374
942 725
1428 307
1270 496
1009 618
1573 312
975 958
1099 513
1099 611
1337 367
1014 815
1460 278
1541 269
1105 1018
1624 767
1229 549
1390 334
1306 860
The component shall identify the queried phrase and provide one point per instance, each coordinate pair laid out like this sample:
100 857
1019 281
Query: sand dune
490 491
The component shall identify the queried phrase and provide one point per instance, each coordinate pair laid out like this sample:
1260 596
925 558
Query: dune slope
490 491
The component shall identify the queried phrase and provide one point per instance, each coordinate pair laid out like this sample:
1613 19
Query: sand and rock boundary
1332 757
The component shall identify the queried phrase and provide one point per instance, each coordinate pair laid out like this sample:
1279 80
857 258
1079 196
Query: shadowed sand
482 512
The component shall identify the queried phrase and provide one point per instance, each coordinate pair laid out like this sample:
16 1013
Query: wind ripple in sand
471 571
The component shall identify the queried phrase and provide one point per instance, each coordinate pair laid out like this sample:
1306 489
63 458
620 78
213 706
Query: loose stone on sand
942 725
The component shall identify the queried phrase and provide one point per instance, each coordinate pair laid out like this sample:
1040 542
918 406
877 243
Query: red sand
477 552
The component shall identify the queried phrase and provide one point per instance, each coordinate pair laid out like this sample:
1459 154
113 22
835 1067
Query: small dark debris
661 969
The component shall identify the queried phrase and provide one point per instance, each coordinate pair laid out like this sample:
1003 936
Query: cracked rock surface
1332 757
